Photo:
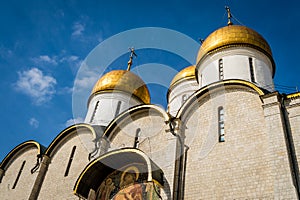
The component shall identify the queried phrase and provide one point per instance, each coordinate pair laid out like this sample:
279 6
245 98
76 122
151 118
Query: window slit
252 76
19 174
118 109
94 112
221 72
70 161
221 124
137 138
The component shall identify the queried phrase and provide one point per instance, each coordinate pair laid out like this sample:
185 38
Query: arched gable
21 147
134 110
65 134
210 89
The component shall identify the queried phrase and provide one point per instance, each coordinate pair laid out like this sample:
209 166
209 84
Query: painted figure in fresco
130 190
105 189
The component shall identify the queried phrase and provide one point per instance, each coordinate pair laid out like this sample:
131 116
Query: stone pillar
281 177
177 183
40 178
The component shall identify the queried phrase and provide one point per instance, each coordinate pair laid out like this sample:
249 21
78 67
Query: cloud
74 121
36 85
86 80
73 61
45 59
34 122
78 28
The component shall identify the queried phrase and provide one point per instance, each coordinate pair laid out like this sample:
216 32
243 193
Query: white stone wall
252 163
279 158
26 181
107 106
236 66
56 185
186 87
155 142
293 110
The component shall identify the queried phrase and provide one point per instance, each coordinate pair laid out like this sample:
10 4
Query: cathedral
225 134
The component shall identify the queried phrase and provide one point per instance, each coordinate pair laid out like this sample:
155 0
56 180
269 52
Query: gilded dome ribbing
123 80
186 73
233 35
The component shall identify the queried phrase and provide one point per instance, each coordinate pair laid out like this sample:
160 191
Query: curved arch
18 148
65 133
213 86
114 160
131 111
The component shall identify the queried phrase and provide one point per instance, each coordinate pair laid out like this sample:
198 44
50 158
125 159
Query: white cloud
71 58
34 122
73 61
35 84
74 121
86 80
78 29
45 59
65 90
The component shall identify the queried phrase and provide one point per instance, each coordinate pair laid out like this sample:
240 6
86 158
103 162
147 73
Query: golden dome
186 73
123 80
234 35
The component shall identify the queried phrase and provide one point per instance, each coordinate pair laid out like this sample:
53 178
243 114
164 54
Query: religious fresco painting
128 184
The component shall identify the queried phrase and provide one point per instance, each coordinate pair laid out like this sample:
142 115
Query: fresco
128 184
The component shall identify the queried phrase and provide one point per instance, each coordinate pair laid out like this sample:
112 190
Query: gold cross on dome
130 58
229 16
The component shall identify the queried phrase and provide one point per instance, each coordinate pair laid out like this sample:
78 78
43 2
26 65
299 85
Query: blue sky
42 45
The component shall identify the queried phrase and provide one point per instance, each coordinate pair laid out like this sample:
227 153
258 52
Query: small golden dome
233 35
123 80
186 73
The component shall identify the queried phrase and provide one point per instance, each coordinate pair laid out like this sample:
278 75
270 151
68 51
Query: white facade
235 63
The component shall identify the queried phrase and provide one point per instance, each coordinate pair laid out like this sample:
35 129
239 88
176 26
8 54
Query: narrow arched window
118 108
19 174
94 112
251 68
137 138
221 72
184 98
221 124
70 161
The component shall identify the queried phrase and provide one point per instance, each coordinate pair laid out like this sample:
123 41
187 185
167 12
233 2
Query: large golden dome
123 80
234 35
186 73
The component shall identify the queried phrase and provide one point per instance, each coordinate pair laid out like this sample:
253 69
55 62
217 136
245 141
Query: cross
229 16
130 58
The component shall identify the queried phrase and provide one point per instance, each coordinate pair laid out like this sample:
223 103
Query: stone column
40 178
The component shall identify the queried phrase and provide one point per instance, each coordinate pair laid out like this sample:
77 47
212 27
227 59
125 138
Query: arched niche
118 173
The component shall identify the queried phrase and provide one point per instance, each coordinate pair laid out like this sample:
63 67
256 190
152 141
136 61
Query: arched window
221 72
137 138
221 124
118 108
94 112
70 161
252 76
